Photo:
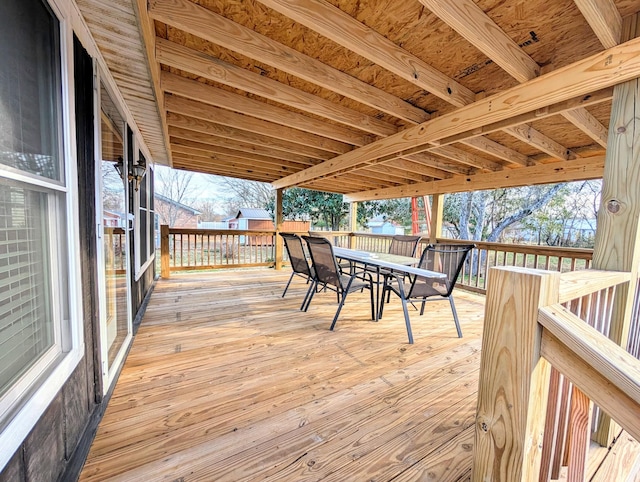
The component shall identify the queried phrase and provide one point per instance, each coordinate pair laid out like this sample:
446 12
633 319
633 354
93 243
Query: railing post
278 241
165 270
437 210
617 244
514 380
353 224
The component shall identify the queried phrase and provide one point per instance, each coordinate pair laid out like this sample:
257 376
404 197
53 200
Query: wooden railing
191 249
200 249
484 256
541 330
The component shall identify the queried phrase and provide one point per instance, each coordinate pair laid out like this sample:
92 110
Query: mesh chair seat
442 258
328 275
297 257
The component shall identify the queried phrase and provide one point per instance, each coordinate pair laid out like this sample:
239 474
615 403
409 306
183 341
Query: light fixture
119 167
136 171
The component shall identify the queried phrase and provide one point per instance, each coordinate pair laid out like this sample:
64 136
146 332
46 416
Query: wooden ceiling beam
198 91
427 159
204 149
232 163
488 146
228 118
331 22
212 68
420 169
604 19
587 123
526 133
470 21
574 170
594 98
467 158
191 123
191 165
590 74
204 23
237 156
212 140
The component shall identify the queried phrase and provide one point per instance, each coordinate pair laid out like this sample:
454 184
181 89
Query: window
34 302
146 216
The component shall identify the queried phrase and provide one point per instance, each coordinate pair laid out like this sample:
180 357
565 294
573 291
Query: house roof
161 198
388 99
253 213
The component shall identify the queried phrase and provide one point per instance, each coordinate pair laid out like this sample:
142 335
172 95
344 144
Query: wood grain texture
240 121
622 463
599 352
211 128
470 21
229 383
217 29
605 69
585 168
575 284
578 437
514 385
587 123
604 19
618 236
196 62
207 94
340 27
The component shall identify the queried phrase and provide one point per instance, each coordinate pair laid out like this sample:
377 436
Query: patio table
378 261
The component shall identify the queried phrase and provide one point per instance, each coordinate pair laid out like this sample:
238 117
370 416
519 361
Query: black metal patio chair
328 275
444 258
298 259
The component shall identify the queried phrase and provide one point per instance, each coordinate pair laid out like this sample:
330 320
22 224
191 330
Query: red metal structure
415 214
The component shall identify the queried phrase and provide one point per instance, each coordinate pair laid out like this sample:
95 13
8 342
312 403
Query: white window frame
70 349
142 268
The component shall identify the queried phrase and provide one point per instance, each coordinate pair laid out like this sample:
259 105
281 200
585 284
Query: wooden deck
227 381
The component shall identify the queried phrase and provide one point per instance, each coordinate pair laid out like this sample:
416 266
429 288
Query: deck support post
437 210
279 245
353 224
514 379
617 244
165 270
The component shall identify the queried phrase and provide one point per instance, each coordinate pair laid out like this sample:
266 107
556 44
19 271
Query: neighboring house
175 214
379 225
111 219
254 219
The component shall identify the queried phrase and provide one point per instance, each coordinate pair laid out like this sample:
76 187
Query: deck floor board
228 381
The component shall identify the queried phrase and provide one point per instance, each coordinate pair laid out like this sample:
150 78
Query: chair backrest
444 258
404 245
293 244
324 262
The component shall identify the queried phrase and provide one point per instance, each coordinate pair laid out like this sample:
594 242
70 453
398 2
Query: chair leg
405 311
424 302
374 314
406 319
455 316
310 292
288 283
342 299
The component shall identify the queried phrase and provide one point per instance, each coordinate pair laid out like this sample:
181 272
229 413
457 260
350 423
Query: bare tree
176 185
246 194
